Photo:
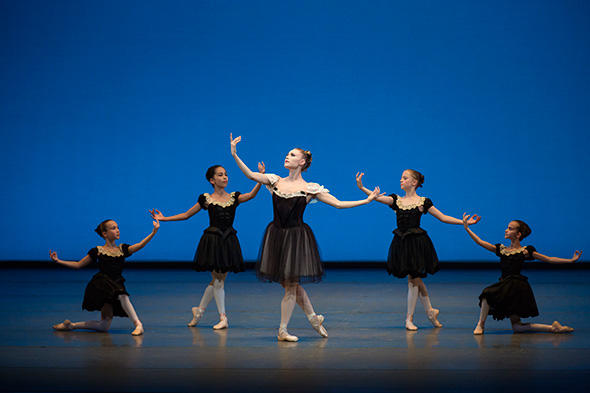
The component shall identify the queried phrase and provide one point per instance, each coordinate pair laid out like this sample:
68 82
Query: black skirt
289 255
412 253
512 295
103 289
219 251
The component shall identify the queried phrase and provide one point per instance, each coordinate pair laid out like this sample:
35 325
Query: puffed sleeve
273 179
203 201
427 205
125 249
394 204
498 247
93 254
530 251
236 196
313 189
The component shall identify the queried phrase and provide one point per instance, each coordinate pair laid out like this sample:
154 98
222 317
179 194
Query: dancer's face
219 178
407 182
294 159
513 231
111 231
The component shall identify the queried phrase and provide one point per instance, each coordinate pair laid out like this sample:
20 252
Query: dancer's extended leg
315 320
555 327
412 298
483 314
128 307
219 294
431 313
287 306
199 311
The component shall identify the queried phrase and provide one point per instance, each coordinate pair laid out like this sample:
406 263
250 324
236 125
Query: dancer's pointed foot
556 327
197 314
410 325
138 331
222 324
65 326
285 336
478 330
316 322
432 317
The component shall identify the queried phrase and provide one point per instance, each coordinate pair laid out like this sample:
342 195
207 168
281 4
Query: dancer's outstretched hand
156 223
359 179
376 193
470 220
156 215
234 142
53 256
577 255
261 167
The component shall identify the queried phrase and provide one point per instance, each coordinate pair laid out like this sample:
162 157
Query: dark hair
307 157
418 176
523 228
102 227
211 172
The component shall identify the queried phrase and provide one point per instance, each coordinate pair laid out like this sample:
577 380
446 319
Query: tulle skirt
412 253
103 289
512 295
219 251
289 255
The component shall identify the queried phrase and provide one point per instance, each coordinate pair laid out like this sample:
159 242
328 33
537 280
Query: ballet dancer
411 253
512 297
219 250
289 253
106 290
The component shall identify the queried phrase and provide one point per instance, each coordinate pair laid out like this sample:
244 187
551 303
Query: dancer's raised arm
331 200
380 198
246 197
466 222
74 265
138 246
258 177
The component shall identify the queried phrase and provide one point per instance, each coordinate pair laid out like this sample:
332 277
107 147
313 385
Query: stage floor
368 348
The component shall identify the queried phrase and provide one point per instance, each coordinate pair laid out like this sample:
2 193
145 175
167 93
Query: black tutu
103 289
512 295
412 253
219 251
289 255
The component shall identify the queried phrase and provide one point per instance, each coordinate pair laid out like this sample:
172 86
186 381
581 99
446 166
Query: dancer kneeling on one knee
411 253
512 297
219 250
289 253
106 290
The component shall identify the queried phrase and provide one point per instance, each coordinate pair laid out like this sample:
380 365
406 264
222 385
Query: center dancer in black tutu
218 251
512 297
411 252
289 253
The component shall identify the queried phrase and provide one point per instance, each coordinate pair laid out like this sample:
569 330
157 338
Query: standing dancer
219 250
512 296
289 253
411 252
106 290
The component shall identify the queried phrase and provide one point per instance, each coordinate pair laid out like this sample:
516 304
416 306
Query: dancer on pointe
411 252
512 297
106 290
289 253
219 250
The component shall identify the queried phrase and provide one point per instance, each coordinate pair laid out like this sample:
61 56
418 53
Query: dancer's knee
105 324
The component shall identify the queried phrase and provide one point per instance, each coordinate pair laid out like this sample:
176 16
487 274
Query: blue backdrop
108 109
